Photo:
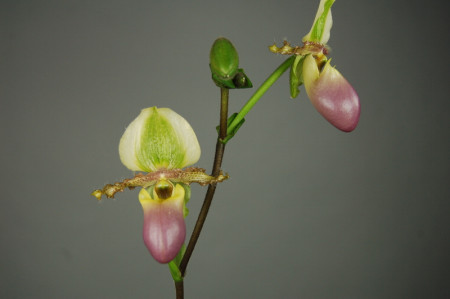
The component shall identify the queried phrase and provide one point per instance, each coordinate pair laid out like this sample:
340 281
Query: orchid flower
161 142
329 92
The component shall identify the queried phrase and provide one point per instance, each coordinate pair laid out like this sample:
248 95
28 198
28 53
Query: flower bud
223 58
164 230
158 138
331 94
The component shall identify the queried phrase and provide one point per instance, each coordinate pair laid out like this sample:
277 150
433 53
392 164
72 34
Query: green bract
158 138
295 76
320 30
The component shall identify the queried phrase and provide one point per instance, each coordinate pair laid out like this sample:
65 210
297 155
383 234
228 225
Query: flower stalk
218 158
259 93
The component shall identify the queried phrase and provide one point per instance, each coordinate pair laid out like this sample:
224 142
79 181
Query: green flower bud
223 59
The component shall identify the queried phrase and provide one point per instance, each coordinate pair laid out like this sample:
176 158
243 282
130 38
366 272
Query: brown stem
224 93
220 148
179 287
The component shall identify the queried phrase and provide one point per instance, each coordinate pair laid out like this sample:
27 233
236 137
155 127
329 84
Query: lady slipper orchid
330 93
161 142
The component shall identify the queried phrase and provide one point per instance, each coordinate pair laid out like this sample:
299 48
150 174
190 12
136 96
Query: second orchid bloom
329 92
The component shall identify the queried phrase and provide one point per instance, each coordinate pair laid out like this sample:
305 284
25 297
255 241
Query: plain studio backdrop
309 211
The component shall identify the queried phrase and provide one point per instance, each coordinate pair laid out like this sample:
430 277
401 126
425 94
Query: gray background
309 211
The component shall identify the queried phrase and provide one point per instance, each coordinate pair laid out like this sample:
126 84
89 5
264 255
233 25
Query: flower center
164 188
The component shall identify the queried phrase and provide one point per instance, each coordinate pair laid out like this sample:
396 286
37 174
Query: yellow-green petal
310 72
158 138
320 30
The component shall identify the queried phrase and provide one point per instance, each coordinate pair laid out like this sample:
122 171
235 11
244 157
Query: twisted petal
331 94
158 138
320 30
164 229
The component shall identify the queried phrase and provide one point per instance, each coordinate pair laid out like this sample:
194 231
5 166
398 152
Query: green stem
175 271
260 92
